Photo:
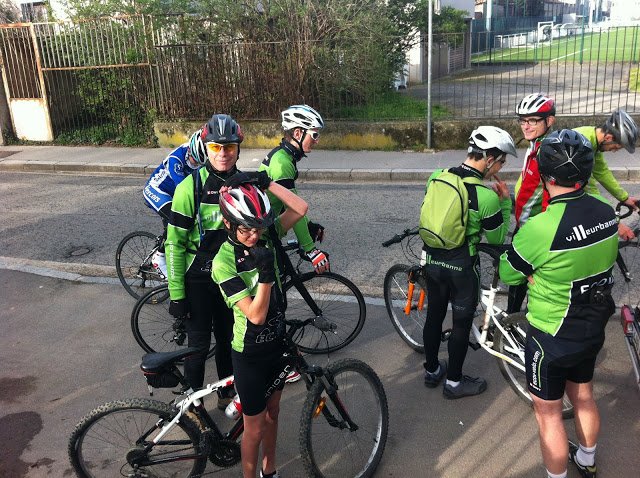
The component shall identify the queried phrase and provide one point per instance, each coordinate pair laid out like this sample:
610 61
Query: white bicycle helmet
301 116
197 149
486 138
536 104
247 206
623 129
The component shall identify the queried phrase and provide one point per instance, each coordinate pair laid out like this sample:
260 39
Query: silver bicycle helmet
301 116
486 138
623 129
536 104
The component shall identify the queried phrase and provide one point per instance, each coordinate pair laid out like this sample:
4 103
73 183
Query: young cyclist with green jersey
246 271
452 274
617 132
301 125
566 255
194 235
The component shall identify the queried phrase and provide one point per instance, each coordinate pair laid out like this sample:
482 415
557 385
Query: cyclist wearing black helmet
566 254
617 132
194 235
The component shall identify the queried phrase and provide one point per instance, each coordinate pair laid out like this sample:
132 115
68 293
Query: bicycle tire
133 264
154 328
517 325
103 440
341 304
409 328
329 449
627 292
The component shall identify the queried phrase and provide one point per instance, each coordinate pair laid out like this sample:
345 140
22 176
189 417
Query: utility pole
429 53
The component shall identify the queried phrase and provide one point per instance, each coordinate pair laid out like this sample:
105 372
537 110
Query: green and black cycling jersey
488 215
601 172
569 251
234 270
194 239
280 165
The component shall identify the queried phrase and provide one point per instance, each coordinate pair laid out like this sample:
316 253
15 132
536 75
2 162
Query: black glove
179 308
316 230
260 179
264 258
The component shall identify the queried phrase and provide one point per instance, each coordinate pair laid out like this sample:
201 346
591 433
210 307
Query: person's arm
182 221
295 206
495 213
604 176
256 309
529 248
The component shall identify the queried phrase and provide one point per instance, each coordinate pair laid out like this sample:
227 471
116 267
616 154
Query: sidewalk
320 165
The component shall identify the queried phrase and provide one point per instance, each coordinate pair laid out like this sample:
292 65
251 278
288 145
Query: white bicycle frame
492 314
192 398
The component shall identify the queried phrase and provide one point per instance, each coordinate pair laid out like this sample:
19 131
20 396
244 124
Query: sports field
613 44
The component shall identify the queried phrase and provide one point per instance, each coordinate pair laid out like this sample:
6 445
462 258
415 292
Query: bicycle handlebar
399 237
629 212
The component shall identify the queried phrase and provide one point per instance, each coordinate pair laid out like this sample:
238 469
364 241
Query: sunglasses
228 148
314 135
529 121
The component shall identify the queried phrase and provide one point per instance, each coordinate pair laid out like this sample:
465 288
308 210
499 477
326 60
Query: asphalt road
66 346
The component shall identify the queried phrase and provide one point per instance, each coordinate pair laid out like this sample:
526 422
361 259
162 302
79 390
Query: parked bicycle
133 263
343 426
334 304
499 334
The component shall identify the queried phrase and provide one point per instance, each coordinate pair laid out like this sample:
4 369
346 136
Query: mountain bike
334 304
498 333
133 263
343 425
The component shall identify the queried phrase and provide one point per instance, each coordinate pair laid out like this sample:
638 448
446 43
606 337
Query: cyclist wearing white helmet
245 270
301 125
452 274
158 192
617 132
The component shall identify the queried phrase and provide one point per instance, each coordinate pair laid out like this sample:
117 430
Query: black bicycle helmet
623 129
222 129
565 158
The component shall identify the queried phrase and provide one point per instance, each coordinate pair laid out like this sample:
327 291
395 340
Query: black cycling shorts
551 361
254 374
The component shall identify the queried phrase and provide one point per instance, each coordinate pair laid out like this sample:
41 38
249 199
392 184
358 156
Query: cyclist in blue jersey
158 192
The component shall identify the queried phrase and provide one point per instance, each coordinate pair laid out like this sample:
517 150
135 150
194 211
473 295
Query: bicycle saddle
157 361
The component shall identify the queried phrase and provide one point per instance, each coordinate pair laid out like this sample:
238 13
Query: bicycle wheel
487 257
627 292
109 440
133 263
409 327
516 326
340 316
155 329
329 445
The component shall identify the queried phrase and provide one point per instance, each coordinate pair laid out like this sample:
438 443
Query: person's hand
264 261
632 202
625 232
260 179
501 188
530 280
179 308
319 260
316 231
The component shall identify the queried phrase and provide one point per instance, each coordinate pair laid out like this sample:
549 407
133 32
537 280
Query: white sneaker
293 377
159 261
275 474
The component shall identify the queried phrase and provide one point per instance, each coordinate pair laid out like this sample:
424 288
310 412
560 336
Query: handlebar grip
394 240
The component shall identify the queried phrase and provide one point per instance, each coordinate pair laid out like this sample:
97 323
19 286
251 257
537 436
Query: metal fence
108 79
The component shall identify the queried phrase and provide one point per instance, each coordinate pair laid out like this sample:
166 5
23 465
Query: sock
435 372
586 456
558 475
451 383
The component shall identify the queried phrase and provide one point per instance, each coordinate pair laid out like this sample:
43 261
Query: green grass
391 106
615 44
634 79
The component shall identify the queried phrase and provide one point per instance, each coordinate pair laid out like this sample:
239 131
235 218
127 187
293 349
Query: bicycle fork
410 290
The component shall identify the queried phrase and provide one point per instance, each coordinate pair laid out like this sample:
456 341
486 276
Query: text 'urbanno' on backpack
445 209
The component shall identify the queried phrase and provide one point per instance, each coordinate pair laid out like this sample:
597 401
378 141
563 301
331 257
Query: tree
9 13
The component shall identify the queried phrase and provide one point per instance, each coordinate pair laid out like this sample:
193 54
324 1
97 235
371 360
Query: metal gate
24 83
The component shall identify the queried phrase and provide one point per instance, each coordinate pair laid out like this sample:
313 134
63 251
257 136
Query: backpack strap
197 194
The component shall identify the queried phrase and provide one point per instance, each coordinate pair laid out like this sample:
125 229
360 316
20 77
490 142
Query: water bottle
234 409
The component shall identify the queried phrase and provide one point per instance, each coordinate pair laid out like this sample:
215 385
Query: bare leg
553 437
271 434
587 417
254 431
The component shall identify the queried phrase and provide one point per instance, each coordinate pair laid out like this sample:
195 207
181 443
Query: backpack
445 209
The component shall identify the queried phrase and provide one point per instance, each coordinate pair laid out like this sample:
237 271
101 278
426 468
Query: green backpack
445 209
